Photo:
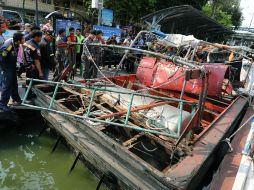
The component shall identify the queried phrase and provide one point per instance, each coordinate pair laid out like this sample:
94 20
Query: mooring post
44 127
57 142
75 162
100 182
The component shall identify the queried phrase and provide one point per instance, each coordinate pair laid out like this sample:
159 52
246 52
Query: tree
130 11
218 14
226 12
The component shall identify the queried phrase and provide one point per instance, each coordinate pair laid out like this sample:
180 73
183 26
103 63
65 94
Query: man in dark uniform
32 56
8 56
90 71
47 62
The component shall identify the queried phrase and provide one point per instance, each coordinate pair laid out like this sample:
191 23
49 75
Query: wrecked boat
160 128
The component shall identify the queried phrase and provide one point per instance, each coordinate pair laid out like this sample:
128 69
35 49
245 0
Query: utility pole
23 9
251 21
100 6
36 13
1 8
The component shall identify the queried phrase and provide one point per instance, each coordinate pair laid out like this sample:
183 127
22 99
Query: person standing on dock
71 49
80 39
87 57
48 60
99 52
32 56
61 51
8 56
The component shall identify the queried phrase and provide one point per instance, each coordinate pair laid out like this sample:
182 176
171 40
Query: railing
159 131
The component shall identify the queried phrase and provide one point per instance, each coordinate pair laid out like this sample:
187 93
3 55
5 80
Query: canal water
26 162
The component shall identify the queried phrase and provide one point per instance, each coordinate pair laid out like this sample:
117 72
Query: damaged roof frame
185 20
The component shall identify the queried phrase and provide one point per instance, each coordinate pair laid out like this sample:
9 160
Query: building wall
43 5
73 5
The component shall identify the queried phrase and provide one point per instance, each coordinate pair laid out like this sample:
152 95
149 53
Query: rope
91 59
228 140
243 125
147 148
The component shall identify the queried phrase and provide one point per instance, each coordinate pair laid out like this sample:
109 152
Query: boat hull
111 158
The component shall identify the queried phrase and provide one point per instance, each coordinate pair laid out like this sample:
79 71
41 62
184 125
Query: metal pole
23 9
36 13
126 52
110 90
99 14
251 21
103 121
1 8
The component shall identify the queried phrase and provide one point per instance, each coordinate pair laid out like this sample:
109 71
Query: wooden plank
133 139
139 108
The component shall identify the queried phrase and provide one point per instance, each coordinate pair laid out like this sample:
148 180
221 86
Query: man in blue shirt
8 57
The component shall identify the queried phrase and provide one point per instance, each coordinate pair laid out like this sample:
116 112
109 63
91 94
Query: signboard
66 24
95 4
107 16
108 32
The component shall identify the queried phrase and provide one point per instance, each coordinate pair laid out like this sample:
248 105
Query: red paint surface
153 73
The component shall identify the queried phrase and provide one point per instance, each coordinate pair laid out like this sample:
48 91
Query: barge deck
138 159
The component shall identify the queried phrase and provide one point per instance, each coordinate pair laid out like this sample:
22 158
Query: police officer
32 56
8 56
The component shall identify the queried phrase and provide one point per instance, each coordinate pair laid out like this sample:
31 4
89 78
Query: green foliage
130 11
221 16
226 12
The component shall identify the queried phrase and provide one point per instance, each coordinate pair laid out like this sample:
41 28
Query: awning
185 20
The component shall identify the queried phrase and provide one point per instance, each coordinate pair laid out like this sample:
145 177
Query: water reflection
27 164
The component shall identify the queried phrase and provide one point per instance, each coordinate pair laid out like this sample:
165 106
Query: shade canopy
185 20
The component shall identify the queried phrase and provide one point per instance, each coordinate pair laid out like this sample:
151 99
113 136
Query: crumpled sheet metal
153 73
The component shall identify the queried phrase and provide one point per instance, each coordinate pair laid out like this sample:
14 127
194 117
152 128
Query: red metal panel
146 70
216 78
151 73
